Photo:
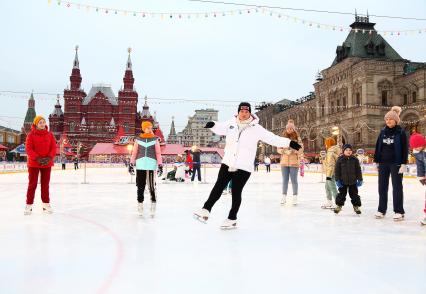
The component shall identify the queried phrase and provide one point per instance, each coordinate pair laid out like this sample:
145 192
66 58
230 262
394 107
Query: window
384 98
338 104
414 97
1 138
358 99
126 127
332 107
322 110
10 139
72 126
405 99
358 137
344 101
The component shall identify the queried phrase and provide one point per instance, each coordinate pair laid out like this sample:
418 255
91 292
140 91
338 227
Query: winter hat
417 140
290 125
244 106
37 119
394 114
329 142
146 124
347 146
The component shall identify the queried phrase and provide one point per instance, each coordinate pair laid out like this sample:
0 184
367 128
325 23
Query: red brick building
98 116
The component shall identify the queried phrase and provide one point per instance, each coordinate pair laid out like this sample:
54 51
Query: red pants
32 184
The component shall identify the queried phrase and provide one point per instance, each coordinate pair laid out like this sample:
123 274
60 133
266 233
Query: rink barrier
16 167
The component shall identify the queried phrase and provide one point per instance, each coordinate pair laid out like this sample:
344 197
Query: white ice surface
96 243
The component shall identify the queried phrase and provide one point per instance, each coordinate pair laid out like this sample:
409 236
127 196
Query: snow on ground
96 243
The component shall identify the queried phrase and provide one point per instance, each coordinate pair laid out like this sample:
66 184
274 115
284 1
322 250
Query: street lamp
335 131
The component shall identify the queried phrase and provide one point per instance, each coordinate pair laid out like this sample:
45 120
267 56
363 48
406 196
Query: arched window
72 126
126 127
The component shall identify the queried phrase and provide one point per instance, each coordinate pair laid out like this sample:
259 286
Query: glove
339 184
359 183
209 125
44 160
295 145
422 181
40 160
160 170
402 169
131 169
328 178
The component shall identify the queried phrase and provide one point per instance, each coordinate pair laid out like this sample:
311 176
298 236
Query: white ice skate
202 215
28 209
47 208
379 215
229 224
423 222
153 207
294 200
327 205
284 199
398 217
140 209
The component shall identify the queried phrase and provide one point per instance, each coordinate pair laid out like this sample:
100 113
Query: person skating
290 160
391 155
146 157
242 135
348 177
333 152
41 150
196 161
64 162
418 144
267 162
75 160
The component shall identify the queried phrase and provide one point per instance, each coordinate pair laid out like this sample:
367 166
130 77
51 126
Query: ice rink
95 242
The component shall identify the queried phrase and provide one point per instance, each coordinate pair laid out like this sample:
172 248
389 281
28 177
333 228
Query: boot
284 199
28 209
357 210
140 209
153 207
229 224
337 209
47 208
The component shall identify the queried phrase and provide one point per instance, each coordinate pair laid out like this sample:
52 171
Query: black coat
348 170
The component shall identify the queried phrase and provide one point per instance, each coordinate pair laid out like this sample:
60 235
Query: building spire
76 62
172 128
129 61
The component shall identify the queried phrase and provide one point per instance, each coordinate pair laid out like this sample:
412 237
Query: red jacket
40 143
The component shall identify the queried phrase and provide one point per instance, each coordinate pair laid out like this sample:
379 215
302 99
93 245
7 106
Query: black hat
244 106
347 146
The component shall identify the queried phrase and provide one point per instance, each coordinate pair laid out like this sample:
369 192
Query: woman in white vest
242 132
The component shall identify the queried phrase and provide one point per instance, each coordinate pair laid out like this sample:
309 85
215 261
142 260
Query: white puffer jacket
240 150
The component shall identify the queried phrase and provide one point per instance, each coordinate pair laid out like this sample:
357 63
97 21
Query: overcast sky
252 57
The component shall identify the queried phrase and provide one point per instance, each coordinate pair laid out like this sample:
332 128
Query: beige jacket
291 157
330 160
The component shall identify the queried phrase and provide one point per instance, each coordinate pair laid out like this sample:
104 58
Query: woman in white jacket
242 132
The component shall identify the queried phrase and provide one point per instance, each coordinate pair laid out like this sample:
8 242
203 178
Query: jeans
196 170
289 172
330 188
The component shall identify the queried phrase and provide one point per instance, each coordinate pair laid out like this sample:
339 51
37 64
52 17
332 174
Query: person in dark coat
391 156
348 178
75 160
196 163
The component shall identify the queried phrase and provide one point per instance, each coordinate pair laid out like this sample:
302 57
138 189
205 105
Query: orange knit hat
329 142
37 119
146 124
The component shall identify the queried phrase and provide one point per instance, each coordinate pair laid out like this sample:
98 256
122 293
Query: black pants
353 193
268 168
239 179
142 178
256 167
386 170
63 166
196 169
75 166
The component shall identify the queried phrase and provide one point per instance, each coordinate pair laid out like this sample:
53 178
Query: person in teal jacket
146 158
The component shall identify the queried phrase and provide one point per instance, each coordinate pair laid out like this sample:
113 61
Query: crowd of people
243 132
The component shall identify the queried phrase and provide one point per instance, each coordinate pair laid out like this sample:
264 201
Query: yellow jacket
291 157
330 160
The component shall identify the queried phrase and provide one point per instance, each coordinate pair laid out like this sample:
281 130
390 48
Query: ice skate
357 210
398 217
28 209
379 215
47 208
284 199
423 222
229 224
337 209
327 205
294 200
140 209
202 215
153 207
